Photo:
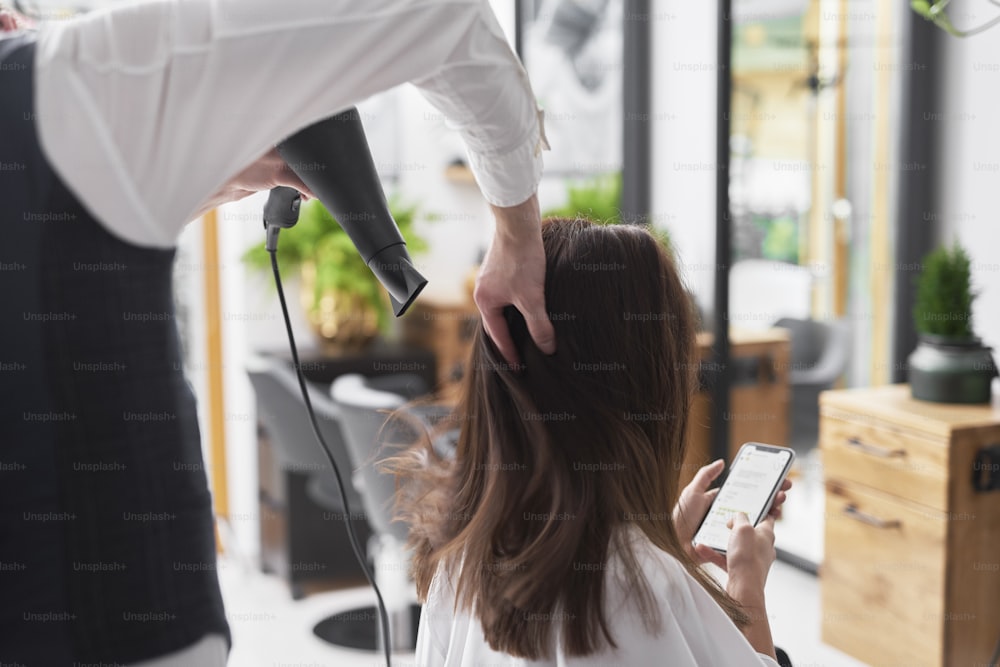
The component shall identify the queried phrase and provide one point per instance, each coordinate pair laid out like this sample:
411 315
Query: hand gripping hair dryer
333 159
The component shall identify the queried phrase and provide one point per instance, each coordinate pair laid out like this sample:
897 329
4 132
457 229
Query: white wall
683 121
970 150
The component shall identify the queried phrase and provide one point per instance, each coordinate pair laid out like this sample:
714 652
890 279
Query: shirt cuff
510 179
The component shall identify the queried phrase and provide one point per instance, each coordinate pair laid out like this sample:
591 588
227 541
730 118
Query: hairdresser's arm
268 172
485 94
11 21
513 272
146 110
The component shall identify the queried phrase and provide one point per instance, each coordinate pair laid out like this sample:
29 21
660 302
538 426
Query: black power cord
383 615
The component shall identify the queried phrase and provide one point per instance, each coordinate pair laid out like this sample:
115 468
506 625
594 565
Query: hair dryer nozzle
394 269
333 159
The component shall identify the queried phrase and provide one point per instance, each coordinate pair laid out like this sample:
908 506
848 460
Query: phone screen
752 483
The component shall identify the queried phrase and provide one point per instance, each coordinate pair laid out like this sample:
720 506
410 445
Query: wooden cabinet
759 396
911 570
447 331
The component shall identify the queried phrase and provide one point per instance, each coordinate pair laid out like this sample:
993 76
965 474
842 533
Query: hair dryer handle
280 212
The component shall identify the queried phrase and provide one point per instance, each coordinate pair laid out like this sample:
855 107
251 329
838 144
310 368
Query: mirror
589 68
788 223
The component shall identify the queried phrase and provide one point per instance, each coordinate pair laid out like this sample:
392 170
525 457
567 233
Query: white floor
271 630
800 531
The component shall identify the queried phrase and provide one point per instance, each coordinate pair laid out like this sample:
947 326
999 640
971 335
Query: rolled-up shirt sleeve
146 110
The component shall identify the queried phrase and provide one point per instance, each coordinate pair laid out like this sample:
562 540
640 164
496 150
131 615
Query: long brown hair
555 457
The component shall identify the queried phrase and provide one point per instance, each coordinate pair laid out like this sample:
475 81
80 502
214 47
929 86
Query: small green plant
320 239
934 10
944 294
599 200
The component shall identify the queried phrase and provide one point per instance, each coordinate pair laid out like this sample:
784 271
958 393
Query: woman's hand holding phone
694 502
749 553
749 556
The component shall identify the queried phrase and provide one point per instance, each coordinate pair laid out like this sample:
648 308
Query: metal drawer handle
872 520
875 450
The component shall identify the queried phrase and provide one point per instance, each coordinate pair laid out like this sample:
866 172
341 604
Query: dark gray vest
107 549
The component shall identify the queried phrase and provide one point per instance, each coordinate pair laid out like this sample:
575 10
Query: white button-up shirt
146 110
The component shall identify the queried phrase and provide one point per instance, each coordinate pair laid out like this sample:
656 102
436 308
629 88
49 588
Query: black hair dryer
333 159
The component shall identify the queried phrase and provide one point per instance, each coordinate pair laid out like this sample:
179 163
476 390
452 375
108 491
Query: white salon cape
146 110
694 632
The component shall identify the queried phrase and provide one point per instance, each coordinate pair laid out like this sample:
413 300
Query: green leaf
922 7
598 199
942 21
934 10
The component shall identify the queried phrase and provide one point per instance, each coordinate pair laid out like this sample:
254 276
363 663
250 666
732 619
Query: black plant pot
951 370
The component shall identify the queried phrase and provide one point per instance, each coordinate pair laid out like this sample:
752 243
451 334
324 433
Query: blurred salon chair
296 461
820 352
364 404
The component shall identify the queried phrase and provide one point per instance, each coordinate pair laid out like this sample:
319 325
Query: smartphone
754 480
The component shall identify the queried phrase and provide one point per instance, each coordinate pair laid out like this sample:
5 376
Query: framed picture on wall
573 51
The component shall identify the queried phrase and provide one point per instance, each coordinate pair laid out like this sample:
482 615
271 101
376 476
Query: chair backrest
808 339
283 412
364 404
820 351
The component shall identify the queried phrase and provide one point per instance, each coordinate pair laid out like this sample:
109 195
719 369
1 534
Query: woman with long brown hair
552 536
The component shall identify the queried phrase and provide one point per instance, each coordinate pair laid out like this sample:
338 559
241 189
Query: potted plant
343 300
934 10
600 200
950 364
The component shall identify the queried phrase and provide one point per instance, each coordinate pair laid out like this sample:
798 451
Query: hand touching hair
11 20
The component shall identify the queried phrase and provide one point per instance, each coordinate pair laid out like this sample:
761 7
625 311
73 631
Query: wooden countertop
746 336
894 404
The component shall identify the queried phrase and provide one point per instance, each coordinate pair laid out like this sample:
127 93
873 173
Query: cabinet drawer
883 456
882 578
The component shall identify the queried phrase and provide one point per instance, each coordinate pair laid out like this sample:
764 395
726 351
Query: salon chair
301 486
820 352
364 404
